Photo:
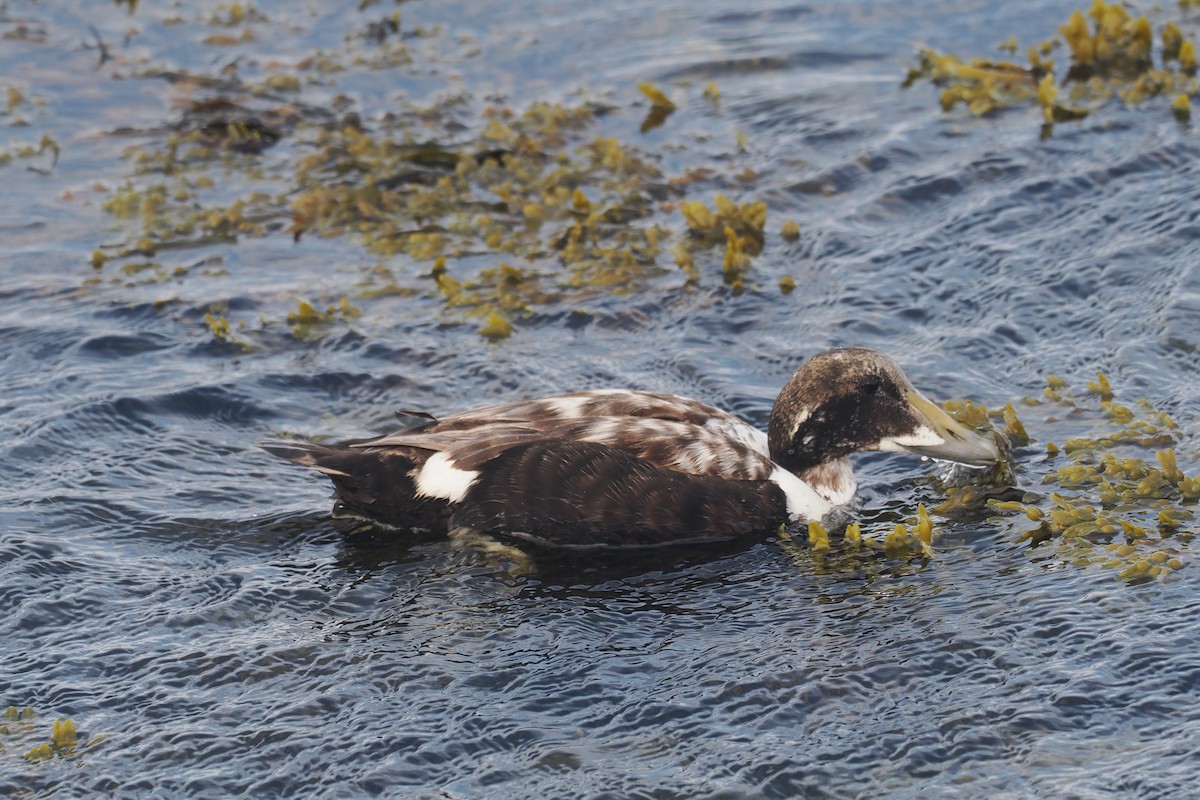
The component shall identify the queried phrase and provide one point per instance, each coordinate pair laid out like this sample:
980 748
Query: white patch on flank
438 477
803 503
923 436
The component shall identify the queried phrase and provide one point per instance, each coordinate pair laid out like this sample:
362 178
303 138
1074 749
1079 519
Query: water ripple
186 597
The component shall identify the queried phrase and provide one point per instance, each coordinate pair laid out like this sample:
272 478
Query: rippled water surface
187 601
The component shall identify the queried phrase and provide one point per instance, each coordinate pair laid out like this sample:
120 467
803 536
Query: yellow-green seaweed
1108 492
1110 56
19 734
818 537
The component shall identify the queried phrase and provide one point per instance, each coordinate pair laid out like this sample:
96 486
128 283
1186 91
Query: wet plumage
617 468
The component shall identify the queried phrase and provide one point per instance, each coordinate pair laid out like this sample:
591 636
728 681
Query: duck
616 468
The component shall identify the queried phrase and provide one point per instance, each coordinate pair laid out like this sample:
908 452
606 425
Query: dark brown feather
579 494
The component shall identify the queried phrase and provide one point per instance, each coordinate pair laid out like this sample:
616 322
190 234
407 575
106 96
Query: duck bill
940 436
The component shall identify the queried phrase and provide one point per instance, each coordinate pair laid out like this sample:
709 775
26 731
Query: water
185 597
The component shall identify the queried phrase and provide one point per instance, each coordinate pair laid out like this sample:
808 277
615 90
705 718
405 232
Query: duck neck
826 470
807 447
833 480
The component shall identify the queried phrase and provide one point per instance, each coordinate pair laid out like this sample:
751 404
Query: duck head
845 400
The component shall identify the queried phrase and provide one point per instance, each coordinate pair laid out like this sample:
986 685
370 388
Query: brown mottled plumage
624 468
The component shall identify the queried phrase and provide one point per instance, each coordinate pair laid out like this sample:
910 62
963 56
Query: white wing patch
438 477
803 503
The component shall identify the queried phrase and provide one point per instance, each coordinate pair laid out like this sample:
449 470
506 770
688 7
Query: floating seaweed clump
912 535
741 227
18 731
12 114
498 213
1111 494
567 214
1111 55
531 212
46 145
307 317
1101 498
902 540
172 216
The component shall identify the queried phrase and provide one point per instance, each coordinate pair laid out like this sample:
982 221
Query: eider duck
615 468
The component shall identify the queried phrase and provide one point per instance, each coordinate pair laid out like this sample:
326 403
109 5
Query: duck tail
321 457
375 483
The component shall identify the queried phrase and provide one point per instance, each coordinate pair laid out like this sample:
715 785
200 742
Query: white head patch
801 417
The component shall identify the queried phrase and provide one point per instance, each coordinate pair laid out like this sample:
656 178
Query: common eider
617 468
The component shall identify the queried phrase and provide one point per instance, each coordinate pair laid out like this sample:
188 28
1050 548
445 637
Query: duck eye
870 384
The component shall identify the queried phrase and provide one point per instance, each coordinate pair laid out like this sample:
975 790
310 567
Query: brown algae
1110 55
524 209
1108 502
567 212
19 733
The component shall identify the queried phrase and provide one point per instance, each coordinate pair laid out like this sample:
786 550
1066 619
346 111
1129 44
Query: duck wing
662 430
587 495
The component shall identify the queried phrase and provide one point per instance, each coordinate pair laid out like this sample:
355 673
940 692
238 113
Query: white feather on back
740 431
672 432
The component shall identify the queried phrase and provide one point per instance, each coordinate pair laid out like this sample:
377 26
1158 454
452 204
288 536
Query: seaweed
531 208
661 107
907 539
740 227
19 729
1098 500
14 113
307 321
567 212
1112 55
1104 502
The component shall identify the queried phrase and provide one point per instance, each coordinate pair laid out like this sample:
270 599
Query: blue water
187 601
